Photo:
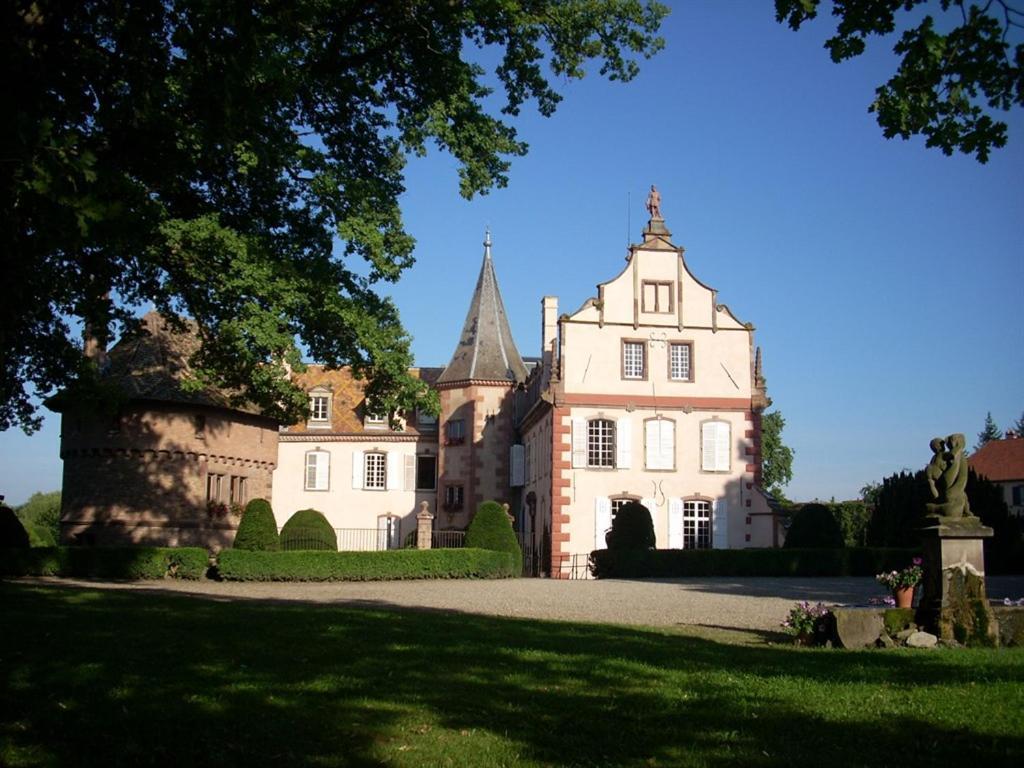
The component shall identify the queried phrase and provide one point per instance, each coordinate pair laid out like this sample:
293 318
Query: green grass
140 678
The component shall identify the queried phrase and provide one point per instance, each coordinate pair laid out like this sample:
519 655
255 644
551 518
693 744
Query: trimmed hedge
632 528
106 562
491 529
257 530
669 563
308 530
242 565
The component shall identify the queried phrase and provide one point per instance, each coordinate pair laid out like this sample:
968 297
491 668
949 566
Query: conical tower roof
486 351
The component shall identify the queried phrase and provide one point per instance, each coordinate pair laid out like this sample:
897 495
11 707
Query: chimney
549 329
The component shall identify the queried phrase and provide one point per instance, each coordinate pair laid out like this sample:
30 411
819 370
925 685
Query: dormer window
320 408
375 421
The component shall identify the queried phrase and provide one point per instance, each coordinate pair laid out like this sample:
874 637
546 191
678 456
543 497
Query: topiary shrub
491 529
632 528
308 529
257 530
12 533
814 527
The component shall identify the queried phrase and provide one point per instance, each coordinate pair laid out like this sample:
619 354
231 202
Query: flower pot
904 596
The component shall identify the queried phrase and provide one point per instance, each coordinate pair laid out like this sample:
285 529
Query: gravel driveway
743 604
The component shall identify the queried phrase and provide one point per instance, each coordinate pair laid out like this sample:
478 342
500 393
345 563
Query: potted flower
902 583
806 623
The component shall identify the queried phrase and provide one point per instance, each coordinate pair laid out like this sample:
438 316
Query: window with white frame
716 443
619 502
680 362
600 443
696 524
375 420
660 444
634 360
318 469
319 408
375 471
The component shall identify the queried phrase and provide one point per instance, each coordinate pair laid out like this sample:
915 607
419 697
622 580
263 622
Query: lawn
94 677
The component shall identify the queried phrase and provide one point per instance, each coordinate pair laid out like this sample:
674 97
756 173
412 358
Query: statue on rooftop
654 203
946 474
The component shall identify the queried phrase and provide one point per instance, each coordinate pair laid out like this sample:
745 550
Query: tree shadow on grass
107 678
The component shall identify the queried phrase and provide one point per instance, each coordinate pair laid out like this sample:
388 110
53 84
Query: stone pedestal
424 526
953 599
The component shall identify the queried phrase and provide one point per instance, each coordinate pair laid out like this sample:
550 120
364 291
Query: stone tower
477 392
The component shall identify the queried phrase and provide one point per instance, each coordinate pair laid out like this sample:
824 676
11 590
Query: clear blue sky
885 279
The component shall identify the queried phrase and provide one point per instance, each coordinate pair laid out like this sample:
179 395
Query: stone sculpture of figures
654 203
946 474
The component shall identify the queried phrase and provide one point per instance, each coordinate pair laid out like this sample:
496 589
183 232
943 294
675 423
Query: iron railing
349 540
447 539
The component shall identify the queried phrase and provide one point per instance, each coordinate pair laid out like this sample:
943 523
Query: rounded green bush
12 533
491 529
257 530
632 528
814 527
308 529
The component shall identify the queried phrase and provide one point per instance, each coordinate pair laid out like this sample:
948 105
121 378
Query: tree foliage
41 518
989 432
233 162
900 514
955 72
776 457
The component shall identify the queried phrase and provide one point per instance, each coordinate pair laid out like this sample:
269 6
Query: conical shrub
257 530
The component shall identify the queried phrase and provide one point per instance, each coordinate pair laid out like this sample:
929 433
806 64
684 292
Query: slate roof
1000 460
348 402
486 350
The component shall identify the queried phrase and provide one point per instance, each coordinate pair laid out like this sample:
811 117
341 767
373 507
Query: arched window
715 446
660 444
600 443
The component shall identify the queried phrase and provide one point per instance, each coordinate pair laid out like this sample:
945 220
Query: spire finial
487 242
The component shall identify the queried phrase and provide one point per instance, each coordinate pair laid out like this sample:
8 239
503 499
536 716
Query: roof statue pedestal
954 601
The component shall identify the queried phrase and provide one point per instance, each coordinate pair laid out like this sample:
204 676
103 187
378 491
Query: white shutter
623 443
723 447
652 507
720 525
660 443
517 465
357 470
668 444
310 471
579 442
602 521
707 447
393 480
323 470
652 442
675 523
409 476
